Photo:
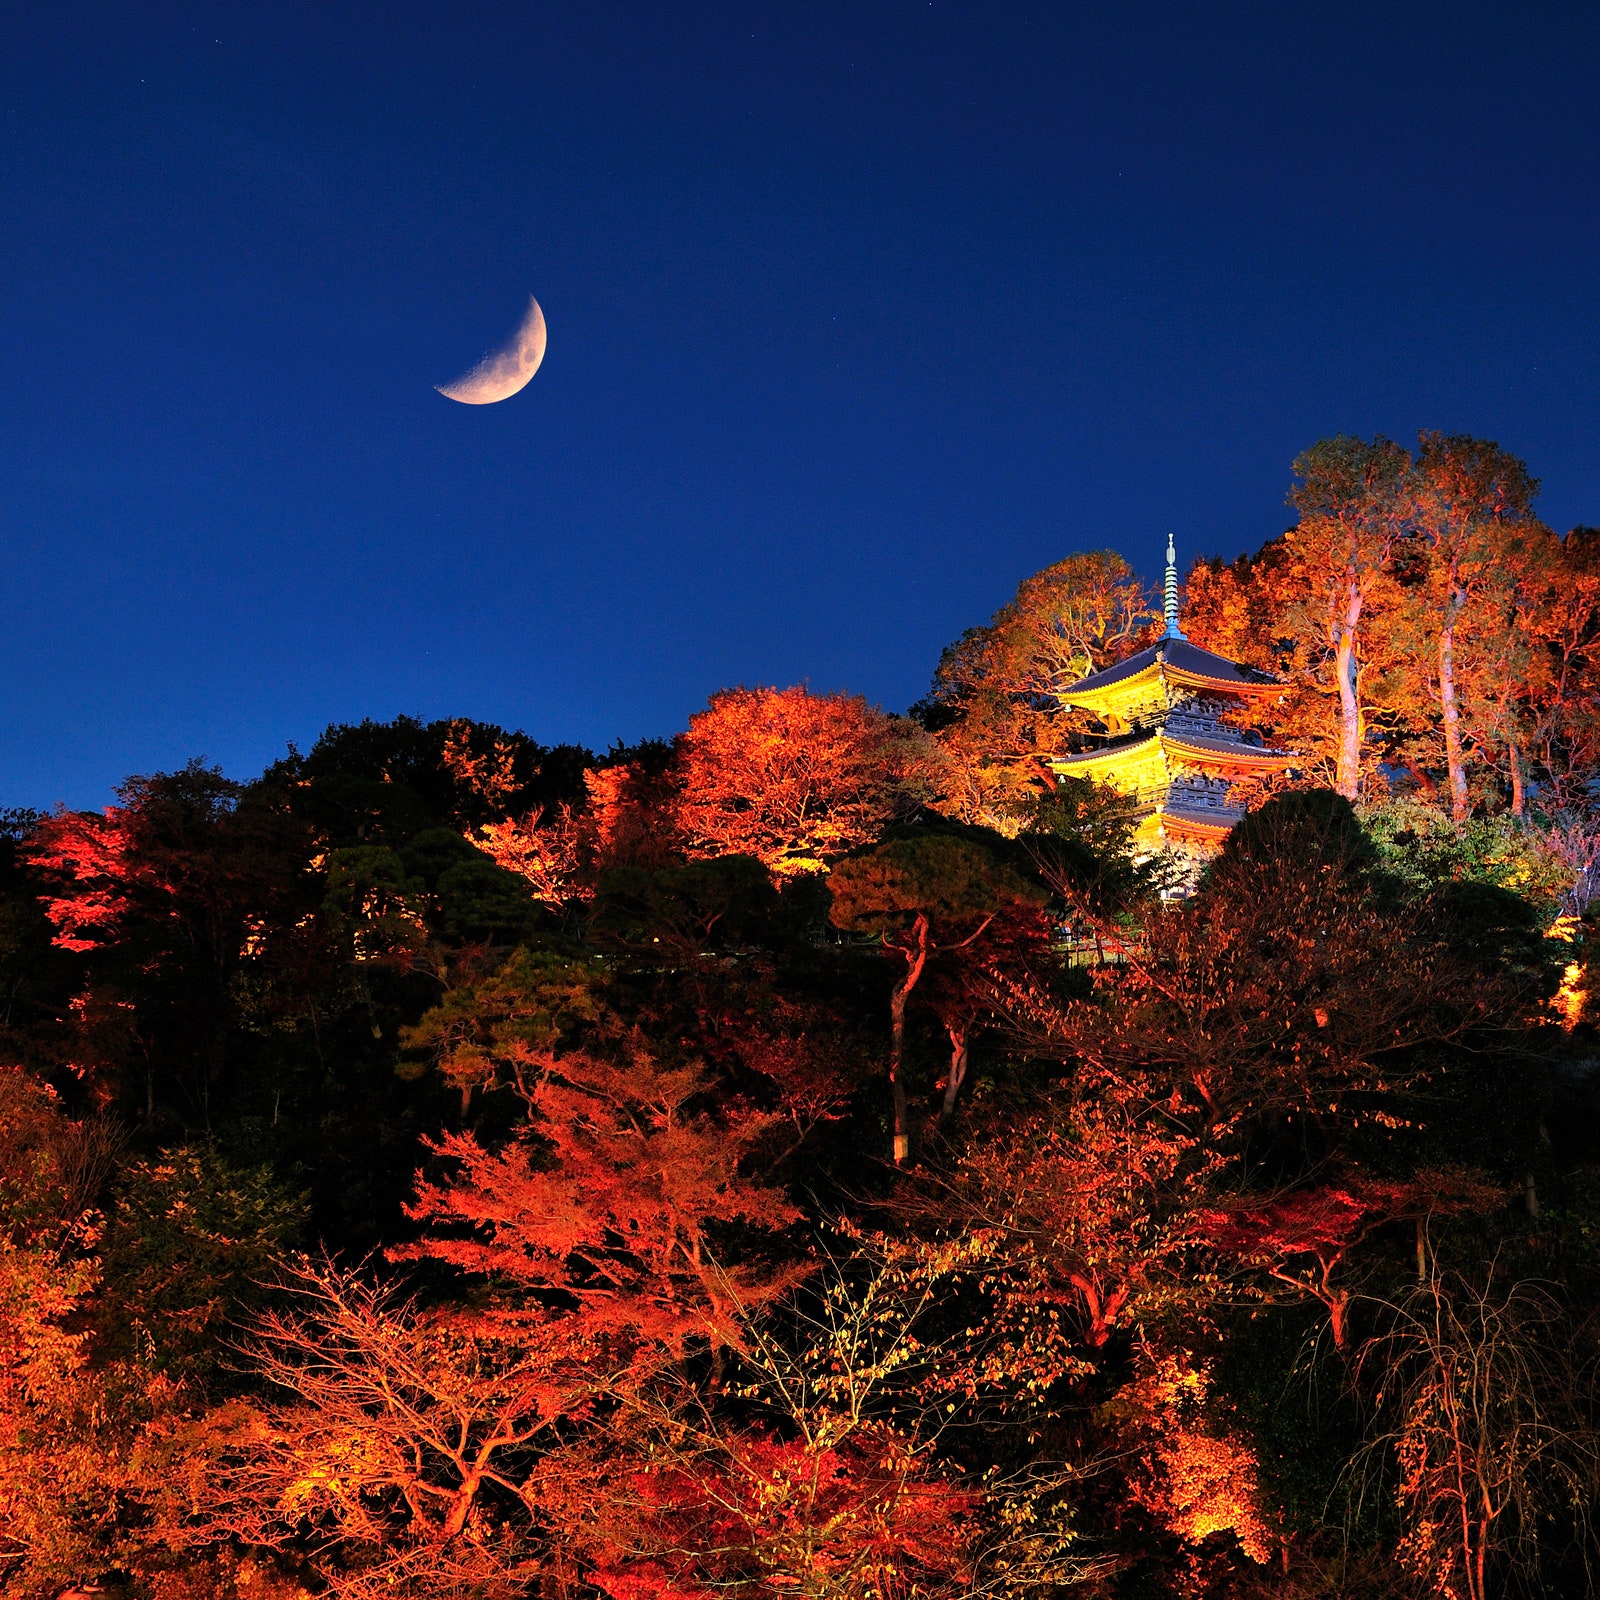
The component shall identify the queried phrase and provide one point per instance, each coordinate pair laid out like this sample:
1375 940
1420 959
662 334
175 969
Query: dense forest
818 1155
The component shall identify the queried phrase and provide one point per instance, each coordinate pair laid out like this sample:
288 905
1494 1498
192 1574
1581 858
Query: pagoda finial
1171 592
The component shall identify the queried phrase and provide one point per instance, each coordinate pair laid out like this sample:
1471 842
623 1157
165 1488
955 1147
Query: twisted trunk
916 959
958 1066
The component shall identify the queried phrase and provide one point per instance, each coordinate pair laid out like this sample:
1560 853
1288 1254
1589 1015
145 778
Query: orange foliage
545 850
450 1450
1474 525
1303 1238
65 1424
401 1432
611 1197
90 854
488 774
994 693
748 1513
1422 619
631 819
1255 610
794 778
1490 1391
1090 1208
1201 1477
1561 707
826 1479
798 1048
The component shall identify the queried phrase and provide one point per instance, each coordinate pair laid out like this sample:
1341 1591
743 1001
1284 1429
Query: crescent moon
503 372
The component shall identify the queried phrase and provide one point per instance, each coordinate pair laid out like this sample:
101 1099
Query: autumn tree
68 1422
994 699
1255 610
1294 985
399 1448
1081 1220
921 894
1419 615
1484 1407
1304 1237
624 818
794 778
1562 696
1351 499
826 1478
1504 657
431 1451
546 851
631 809
1473 509
423 1445
166 896
1197 1471
615 1194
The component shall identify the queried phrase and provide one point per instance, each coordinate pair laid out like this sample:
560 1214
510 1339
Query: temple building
1171 740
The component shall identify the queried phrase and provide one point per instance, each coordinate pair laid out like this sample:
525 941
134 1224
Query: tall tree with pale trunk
1351 500
1505 657
1472 504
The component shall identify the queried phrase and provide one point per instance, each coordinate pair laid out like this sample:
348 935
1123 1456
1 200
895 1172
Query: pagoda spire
1171 593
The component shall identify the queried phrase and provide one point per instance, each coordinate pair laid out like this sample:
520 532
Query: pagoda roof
1193 747
1177 661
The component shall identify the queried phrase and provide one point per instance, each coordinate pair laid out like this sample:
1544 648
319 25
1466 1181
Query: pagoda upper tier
1172 740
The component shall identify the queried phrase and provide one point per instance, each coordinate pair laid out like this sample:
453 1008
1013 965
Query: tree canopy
825 1153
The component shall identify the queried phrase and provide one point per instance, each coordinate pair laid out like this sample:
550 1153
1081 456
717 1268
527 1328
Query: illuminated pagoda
1169 741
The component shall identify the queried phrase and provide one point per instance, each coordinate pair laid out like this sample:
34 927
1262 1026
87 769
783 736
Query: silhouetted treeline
816 1155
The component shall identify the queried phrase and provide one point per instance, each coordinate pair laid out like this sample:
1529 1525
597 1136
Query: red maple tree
612 1197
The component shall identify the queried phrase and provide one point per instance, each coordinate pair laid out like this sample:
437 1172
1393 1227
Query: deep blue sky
858 314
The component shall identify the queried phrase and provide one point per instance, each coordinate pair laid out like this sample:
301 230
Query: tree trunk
461 1506
1451 706
958 1066
916 960
1519 784
1346 670
1338 1303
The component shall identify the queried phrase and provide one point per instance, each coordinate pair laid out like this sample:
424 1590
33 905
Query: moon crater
503 372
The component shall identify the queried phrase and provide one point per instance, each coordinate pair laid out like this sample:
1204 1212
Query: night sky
858 315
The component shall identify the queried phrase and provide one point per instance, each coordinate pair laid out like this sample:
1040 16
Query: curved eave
1217 753
1186 825
1205 753
1118 689
1245 691
1123 688
1113 754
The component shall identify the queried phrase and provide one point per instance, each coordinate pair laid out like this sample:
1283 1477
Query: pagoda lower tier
1183 782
